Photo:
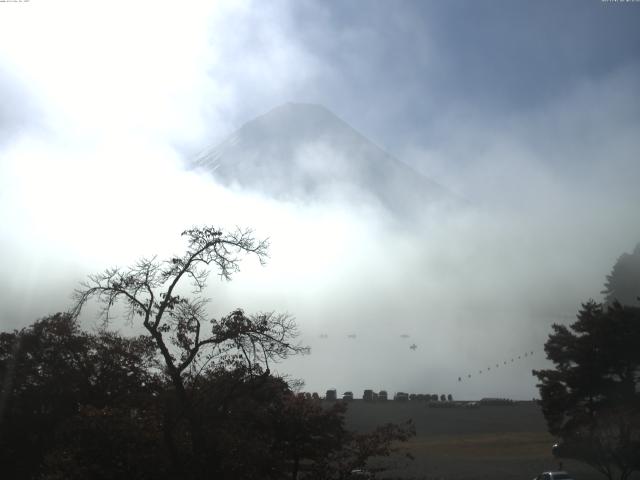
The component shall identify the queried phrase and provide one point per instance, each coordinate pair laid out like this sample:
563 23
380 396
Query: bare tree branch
147 290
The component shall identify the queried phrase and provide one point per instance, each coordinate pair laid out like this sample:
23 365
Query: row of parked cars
432 400
383 396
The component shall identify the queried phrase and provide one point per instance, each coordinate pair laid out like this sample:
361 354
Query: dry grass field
489 442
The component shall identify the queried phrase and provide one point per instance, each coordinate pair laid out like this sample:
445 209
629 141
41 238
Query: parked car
360 473
332 395
560 475
401 397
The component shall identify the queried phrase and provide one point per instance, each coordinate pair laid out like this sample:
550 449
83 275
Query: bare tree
186 338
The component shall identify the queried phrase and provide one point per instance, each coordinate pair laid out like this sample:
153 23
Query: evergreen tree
623 284
591 399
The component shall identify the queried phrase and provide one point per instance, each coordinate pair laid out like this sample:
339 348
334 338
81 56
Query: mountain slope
304 152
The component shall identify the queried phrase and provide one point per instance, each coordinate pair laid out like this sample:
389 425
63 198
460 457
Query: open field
490 442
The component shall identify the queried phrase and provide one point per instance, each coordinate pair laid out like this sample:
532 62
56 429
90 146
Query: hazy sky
530 110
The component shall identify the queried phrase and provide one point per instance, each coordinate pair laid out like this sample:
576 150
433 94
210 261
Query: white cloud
122 87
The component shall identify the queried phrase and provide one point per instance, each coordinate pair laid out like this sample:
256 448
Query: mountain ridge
304 152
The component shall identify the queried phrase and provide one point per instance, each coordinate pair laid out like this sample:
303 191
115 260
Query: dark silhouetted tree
623 283
260 428
307 433
50 371
184 335
591 398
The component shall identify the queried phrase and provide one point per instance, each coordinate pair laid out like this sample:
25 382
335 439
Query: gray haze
527 111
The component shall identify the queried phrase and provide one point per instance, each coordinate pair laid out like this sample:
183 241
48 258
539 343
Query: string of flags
497 365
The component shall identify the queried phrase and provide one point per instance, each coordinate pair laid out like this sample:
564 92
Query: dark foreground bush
79 405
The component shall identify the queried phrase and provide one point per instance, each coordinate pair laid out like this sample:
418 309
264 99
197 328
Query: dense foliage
80 405
53 375
591 399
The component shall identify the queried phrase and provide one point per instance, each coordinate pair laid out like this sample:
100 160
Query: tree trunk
185 408
198 438
169 441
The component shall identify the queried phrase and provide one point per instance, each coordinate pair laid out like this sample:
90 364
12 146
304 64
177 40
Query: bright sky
528 109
